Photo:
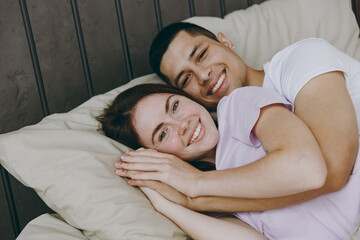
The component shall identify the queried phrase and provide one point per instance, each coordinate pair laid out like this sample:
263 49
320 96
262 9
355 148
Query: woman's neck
210 156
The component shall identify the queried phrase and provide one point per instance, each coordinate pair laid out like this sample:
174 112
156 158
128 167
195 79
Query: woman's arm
293 164
223 204
200 226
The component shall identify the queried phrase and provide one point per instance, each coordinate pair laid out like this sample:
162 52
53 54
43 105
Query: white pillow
262 30
69 163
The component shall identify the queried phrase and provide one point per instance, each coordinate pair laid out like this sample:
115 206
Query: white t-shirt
291 68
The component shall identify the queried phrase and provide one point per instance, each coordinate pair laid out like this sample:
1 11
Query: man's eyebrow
159 126
190 57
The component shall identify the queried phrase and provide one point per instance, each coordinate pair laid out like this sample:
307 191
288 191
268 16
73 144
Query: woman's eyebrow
167 104
159 126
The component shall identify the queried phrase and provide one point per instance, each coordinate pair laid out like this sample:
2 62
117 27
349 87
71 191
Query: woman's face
175 124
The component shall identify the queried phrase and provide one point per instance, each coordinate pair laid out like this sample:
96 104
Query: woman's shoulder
251 96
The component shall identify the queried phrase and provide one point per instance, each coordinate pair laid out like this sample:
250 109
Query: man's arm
325 106
294 164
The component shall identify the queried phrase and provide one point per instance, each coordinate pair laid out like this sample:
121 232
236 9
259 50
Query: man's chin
210 106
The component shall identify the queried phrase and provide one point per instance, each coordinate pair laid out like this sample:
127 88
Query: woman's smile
175 124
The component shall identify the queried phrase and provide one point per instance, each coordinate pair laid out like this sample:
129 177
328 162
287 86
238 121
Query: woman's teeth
196 134
218 84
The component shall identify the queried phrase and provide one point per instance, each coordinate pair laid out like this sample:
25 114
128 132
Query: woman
166 121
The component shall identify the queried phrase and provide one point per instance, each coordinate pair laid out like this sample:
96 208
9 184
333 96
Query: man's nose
204 75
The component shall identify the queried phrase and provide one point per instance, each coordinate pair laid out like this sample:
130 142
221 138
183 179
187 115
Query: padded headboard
58 54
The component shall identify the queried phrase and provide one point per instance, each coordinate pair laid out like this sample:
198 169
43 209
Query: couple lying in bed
284 175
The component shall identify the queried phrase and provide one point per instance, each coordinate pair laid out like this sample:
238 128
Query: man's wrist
197 184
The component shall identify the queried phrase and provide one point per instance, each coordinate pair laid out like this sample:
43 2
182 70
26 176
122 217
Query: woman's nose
183 126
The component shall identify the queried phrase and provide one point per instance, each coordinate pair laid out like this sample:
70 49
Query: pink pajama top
331 216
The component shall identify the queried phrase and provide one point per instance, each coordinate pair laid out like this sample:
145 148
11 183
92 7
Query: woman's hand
148 164
158 201
164 190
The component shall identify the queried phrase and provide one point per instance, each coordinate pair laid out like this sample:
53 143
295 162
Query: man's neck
254 77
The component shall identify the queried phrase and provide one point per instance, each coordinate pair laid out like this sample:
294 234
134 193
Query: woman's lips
198 134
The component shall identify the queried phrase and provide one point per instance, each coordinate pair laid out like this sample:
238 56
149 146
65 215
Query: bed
63 61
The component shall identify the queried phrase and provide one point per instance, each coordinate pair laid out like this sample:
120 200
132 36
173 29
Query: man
205 66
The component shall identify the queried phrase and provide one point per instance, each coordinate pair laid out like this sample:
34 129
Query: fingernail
117 164
124 156
119 171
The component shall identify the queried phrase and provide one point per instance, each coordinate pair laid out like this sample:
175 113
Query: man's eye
202 54
186 79
162 135
175 106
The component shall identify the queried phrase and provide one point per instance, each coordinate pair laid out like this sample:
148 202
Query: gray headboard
56 54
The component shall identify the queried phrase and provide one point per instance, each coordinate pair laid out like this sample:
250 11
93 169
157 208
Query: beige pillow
47 227
69 163
262 30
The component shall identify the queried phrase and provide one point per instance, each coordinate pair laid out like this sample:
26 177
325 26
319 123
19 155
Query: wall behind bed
56 54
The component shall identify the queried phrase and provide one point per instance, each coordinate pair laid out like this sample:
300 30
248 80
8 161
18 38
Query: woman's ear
225 40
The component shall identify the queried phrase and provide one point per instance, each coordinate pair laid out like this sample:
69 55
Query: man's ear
225 40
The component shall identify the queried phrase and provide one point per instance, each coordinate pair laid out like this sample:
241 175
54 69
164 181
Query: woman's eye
175 106
162 135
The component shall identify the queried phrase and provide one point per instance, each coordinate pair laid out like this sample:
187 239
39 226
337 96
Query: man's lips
217 84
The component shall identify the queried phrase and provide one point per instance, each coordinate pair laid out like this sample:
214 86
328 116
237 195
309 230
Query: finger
117 164
146 167
143 149
121 172
138 175
144 183
142 158
140 166
125 173
148 152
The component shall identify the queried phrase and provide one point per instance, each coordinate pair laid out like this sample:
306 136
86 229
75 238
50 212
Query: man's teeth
196 134
218 84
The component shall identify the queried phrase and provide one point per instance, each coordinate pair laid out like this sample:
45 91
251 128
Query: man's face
204 68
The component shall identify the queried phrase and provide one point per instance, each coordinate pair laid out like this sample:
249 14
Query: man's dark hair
163 39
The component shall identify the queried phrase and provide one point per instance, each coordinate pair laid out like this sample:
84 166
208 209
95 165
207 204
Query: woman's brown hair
116 120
